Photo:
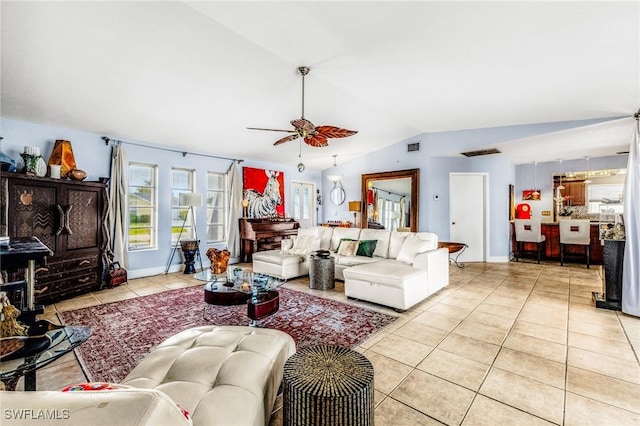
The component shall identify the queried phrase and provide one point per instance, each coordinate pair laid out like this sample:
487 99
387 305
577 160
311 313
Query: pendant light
535 193
301 165
334 174
587 167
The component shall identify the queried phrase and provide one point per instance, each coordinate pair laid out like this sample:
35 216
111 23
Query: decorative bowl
77 174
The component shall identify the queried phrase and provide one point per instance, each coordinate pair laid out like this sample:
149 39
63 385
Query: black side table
321 271
327 385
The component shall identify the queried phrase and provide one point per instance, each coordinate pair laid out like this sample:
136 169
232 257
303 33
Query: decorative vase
34 165
8 164
62 154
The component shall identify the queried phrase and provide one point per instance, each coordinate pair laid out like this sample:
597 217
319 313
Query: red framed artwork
264 190
531 194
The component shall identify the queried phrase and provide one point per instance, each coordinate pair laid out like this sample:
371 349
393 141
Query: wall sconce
355 207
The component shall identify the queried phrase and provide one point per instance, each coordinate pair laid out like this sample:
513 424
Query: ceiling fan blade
286 139
334 132
272 130
303 124
317 141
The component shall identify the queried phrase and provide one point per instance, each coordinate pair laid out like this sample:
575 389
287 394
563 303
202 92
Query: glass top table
63 341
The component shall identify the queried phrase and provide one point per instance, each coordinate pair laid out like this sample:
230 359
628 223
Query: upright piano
264 234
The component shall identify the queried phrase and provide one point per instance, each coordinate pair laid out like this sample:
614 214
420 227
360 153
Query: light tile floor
503 344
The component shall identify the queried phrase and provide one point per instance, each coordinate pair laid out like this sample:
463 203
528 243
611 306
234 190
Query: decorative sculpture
219 260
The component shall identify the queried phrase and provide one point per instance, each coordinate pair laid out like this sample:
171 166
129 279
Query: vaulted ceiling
196 74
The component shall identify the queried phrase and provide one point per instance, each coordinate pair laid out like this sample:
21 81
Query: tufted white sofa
222 375
406 267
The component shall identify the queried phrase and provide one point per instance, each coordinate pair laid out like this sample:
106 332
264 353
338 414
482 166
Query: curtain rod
389 192
184 153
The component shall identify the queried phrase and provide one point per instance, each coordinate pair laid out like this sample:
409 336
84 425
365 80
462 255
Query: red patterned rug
123 332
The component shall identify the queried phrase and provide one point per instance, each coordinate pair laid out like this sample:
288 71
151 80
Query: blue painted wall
93 156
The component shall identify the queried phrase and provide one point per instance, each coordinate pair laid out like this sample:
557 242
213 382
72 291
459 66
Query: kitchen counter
551 230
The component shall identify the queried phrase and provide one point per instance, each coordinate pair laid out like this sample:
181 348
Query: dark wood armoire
69 218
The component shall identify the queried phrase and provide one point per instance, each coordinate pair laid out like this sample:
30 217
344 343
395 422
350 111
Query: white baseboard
498 259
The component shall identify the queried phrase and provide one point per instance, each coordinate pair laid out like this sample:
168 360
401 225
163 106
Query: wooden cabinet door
34 212
82 207
577 191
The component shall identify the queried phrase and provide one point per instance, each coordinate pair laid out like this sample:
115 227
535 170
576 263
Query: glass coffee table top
63 341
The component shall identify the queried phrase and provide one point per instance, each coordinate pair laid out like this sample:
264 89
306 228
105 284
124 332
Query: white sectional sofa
404 268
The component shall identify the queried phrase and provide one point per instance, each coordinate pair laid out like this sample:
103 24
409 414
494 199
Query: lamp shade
190 199
355 206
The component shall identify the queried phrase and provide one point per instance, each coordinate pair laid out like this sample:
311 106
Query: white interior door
468 214
303 207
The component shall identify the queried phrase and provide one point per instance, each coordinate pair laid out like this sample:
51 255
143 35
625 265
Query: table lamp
355 207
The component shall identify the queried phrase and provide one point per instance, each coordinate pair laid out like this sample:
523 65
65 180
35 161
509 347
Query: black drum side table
321 271
327 385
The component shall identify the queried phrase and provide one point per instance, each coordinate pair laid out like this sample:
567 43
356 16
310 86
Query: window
182 180
143 213
216 208
603 193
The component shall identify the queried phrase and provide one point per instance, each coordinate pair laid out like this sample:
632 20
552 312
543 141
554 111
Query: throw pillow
366 247
411 248
340 243
348 248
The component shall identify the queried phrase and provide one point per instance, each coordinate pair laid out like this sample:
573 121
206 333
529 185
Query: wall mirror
588 194
337 195
390 200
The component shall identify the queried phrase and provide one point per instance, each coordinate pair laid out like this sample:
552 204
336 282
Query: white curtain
117 217
631 265
235 202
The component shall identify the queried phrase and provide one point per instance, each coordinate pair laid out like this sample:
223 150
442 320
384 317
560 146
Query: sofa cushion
411 247
305 244
355 260
340 233
278 257
388 272
395 243
382 236
366 247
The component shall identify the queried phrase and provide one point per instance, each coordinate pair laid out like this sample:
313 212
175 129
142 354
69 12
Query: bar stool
575 232
528 231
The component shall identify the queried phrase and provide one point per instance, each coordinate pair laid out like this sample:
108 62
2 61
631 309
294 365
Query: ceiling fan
303 128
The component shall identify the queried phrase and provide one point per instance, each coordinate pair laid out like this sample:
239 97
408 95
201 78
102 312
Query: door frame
486 209
314 204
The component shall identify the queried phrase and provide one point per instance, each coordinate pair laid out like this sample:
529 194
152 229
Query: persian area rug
123 332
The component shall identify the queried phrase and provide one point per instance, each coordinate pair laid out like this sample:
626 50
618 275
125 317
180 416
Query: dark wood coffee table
265 304
221 293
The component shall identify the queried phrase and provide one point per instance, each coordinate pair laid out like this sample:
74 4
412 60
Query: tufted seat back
221 374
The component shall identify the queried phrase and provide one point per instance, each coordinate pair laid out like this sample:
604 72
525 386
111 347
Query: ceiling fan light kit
311 135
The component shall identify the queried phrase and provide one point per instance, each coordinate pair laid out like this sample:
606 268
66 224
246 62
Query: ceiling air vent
481 152
413 147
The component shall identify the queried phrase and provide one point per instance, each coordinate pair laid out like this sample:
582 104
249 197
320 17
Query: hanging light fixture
301 165
587 180
334 174
535 193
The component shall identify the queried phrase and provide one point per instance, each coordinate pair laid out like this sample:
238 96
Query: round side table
321 272
327 385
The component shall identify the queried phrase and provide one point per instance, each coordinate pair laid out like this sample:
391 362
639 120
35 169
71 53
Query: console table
23 253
